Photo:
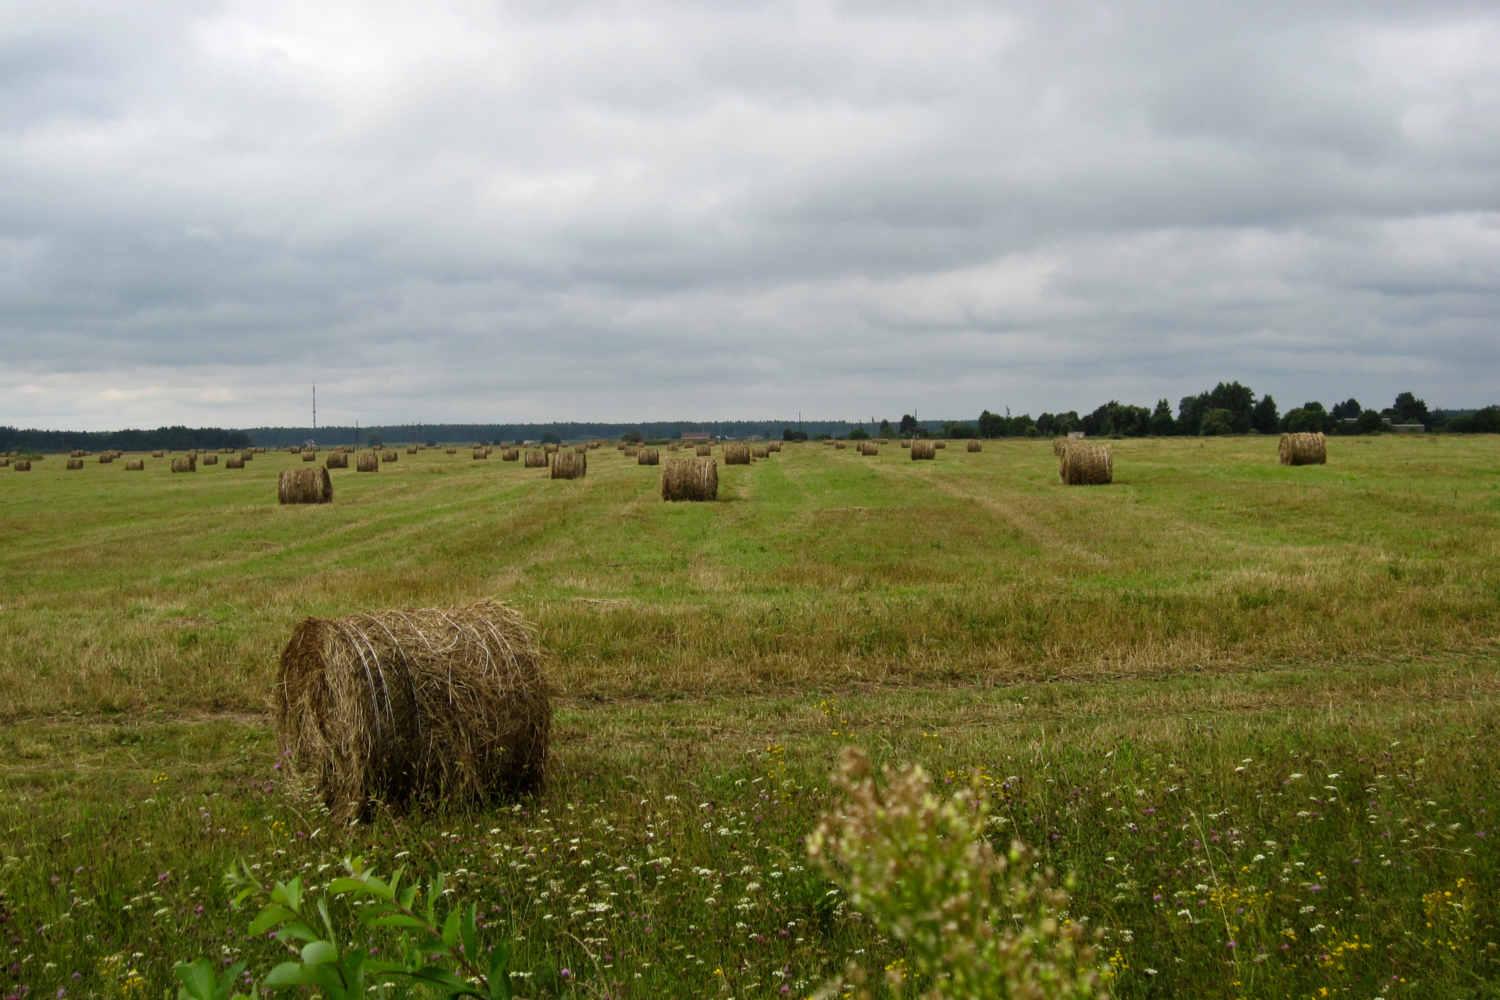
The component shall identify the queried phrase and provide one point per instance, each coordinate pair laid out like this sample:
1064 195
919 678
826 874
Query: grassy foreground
1251 709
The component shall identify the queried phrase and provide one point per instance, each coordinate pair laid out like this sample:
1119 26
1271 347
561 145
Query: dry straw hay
451 451
774 446
906 444
689 479
672 447
580 449
309 456
187 463
135 465
703 450
647 456
294 449
22 465
234 462
1059 445
337 460
631 452
246 455
447 704
367 462
4 461
1086 465
925 450
571 465
480 453
510 454
156 454
304 486
869 448
487 451
974 446
389 456
940 444
106 458
536 460
1304 449
207 459
621 447
75 463
760 451
736 454
594 444
79 454
411 449
550 448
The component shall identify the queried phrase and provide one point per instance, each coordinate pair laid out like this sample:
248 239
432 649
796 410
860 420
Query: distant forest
1228 408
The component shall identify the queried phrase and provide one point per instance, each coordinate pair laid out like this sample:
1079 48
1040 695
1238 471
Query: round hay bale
974 446
550 448
632 452
309 456
447 704
294 449
1304 449
510 454
1086 465
187 463
580 449
411 449
22 465
760 451
869 448
673 447
337 460
389 456
736 454
940 444
536 460
689 479
106 458
621 447
487 451
906 444
78 454
209 459
703 450
135 465
839 446
774 446
451 451
594 444
156 454
923 450
647 456
304 486
247 455
234 462
571 464
480 453
4 461
75 463
1059 445
367 462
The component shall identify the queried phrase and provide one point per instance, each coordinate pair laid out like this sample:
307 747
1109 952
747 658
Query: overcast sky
465 211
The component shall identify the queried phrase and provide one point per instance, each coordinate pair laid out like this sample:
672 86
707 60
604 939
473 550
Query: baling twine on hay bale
689 479
448 704
304 486
570 465
1086 465
1304 449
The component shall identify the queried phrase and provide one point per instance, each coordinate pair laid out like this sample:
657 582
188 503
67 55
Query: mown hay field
1251 707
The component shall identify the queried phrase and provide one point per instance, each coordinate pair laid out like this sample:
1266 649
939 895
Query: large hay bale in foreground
703 450
337 460
1304 449
536 460
647 456
187 463
367 462
135 465
923 450
234 462
210 459
736 454
447 704
309 456
304 486
973 446
22 465
689 479
389 456
510 454
1086 465
570 465
75 463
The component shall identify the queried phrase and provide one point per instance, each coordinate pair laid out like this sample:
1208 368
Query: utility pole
315 411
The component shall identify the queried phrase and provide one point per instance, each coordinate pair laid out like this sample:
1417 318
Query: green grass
1111 656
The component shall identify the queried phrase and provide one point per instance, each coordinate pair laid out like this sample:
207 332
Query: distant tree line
173 438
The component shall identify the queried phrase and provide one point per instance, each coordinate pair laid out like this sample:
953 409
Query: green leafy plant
441 952
975 923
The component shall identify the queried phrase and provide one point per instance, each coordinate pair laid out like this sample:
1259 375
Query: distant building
1406 428
1075 434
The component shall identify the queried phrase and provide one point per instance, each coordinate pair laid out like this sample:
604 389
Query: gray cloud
476 211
